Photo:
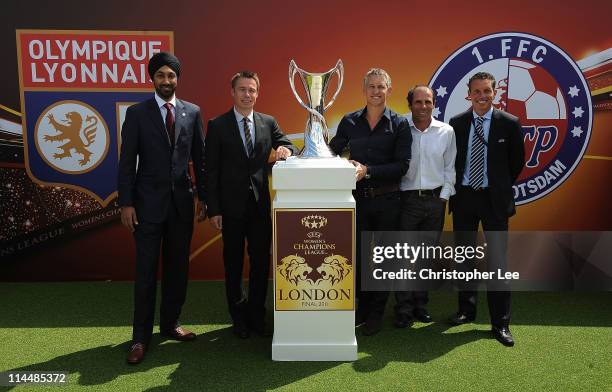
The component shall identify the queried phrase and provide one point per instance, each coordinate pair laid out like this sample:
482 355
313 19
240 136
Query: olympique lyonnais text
90 60
96 60
97 50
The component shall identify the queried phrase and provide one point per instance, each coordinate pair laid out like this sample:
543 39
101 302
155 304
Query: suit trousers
472 207
379 213
419 213
173 236
256 228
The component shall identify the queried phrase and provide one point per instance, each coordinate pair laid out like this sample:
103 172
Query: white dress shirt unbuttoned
432 164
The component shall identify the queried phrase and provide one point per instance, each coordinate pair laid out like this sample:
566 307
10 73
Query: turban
164 58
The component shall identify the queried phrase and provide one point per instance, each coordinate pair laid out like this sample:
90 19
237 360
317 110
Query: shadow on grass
219 361
415 345
216 361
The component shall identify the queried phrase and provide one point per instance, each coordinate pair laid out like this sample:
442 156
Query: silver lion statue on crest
316 134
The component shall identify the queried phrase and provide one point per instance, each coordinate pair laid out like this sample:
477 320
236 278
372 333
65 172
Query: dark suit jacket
505 157
162 176
229 171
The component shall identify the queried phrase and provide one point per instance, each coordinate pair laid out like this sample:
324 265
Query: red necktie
170 122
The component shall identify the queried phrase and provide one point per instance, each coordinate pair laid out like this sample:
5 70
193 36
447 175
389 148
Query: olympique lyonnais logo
541 85
76 86
72 137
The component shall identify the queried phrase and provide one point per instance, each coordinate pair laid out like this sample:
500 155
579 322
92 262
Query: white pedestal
314 188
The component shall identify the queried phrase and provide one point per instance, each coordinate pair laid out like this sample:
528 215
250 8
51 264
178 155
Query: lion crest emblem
71 136
334 268
72 131
294 269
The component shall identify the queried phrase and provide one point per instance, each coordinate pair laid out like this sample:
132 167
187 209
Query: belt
424 192
370 192
470 189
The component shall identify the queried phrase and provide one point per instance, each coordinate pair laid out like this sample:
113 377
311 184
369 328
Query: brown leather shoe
179 333
136 353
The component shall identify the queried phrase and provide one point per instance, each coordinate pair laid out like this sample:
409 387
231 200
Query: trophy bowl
316 133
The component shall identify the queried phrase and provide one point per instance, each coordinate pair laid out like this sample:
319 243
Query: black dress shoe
403 321
503 335
461 318
241 331
422 315
372 327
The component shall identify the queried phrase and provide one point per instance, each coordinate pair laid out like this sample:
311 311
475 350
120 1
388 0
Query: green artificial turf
564 342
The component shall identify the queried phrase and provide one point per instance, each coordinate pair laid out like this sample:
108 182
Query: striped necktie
247 136
476 177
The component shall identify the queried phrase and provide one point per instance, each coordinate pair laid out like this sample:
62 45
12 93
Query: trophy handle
293 69
338 70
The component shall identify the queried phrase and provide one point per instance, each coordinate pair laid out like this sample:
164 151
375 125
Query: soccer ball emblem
533 93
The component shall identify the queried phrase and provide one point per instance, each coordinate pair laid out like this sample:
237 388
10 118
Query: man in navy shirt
379 142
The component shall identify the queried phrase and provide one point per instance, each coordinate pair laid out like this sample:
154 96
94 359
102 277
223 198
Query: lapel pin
184 114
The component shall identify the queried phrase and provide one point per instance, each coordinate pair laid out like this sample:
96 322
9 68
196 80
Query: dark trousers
380 213
419 213
173 236
471 208
256 228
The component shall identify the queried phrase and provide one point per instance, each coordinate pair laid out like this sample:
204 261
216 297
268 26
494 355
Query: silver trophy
316 134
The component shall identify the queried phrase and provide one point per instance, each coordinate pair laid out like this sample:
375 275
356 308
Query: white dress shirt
432 164
162 108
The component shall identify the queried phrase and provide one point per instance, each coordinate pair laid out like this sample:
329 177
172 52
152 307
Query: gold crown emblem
314 221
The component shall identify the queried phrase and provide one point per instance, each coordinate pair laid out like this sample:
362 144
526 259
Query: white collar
486 116
434 123
161 102
239 116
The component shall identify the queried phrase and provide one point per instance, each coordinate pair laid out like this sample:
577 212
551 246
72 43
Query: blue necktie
476 175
